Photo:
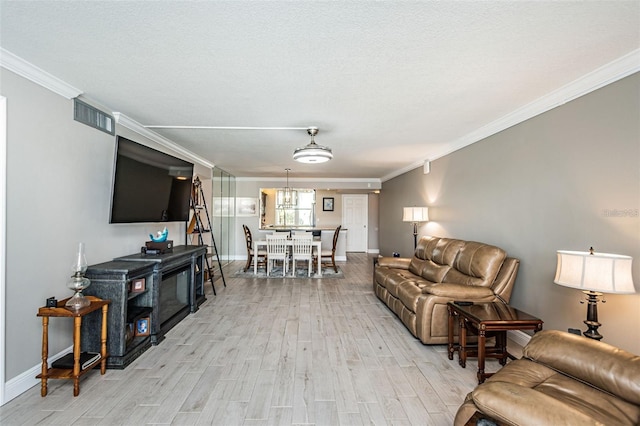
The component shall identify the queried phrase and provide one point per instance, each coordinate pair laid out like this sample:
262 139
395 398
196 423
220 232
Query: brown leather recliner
442 270
562 379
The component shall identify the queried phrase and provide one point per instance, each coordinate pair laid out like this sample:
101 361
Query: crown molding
613 71
37 75
133 125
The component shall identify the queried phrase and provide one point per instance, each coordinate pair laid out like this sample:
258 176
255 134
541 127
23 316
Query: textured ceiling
388 83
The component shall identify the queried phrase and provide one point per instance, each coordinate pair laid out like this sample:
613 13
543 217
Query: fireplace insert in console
174 293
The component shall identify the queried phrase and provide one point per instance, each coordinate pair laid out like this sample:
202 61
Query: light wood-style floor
270 352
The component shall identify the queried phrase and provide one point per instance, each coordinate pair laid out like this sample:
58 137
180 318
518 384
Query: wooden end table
486 319
76 372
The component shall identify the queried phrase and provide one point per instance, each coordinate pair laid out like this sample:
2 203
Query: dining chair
331 254
277 250
260 257
302 244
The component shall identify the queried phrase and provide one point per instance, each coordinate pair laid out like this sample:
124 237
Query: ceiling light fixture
313 153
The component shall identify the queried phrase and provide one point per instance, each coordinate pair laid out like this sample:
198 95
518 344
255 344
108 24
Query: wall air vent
93 117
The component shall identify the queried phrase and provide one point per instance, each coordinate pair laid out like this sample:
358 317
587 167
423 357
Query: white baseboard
373 251
519 337
25 381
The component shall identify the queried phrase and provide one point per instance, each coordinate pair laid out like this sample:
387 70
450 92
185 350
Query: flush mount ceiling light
313 153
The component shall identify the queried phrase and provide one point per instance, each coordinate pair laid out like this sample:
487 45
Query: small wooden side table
487 318
76 372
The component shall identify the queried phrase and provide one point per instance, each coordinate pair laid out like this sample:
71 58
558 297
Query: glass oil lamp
78 282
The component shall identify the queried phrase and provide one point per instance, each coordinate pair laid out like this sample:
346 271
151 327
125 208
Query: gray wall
58 194
546 184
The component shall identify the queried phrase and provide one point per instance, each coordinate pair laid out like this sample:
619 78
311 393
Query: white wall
540 186
59 176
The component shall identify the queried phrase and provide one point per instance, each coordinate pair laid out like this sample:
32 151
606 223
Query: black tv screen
149 185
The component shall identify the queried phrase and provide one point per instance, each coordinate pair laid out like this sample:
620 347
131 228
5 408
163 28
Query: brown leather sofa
442 270
562 379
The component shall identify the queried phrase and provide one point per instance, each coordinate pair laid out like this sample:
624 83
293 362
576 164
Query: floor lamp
415 215
594 274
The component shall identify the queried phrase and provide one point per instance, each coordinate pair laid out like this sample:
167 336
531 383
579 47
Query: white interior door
355 217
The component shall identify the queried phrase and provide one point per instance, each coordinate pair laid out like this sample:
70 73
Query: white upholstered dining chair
302 250
276 251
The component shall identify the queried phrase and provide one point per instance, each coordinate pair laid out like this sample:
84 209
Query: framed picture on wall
327 204
246 206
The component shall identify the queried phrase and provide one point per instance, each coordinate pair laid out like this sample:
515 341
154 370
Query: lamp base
592 315
592 331
77 302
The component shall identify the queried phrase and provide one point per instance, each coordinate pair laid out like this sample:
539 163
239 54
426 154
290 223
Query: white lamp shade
601 272
415 214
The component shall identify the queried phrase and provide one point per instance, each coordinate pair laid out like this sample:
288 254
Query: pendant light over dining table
286 198
313 153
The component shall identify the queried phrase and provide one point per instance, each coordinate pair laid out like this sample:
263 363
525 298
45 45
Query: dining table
317 243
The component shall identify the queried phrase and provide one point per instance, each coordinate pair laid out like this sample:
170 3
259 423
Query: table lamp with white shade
594 274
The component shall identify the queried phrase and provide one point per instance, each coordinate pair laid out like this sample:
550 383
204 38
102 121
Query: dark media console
159 288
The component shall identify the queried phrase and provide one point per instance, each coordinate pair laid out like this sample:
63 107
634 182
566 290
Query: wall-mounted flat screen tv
149 185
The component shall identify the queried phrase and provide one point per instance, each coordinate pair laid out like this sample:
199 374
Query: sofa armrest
601 365
503 284
394 262
459 291
514 404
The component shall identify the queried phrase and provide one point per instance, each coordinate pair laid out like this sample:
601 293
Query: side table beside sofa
486 320
562 379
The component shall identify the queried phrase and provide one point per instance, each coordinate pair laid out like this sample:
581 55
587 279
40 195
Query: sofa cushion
599 364
428 269
476 264
446 250
384 274
523 372
557 401
409 293
416 265
395 277
425 247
